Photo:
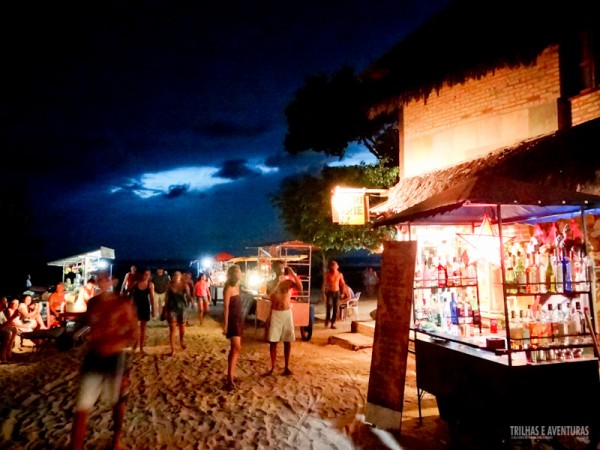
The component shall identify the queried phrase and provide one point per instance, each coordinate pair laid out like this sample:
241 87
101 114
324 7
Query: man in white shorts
281 323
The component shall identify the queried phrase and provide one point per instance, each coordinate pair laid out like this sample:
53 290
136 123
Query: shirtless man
333 285
113 327
56 305
281 323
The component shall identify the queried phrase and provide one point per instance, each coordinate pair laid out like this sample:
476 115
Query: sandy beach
180 401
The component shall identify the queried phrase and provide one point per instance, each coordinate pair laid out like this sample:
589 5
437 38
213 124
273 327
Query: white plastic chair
352 307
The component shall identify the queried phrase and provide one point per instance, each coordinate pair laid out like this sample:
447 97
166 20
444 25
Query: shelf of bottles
446 299
548 297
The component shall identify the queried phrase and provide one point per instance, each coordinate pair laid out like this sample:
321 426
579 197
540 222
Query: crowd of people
118 318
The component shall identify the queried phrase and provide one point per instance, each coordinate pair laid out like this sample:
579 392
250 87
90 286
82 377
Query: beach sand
180 401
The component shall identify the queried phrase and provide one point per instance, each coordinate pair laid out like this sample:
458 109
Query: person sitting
31 313
8 331
345 297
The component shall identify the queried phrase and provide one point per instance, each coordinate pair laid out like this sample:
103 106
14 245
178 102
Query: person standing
233 326
370 281
28 283
128 281
142 293
202 294
333 284
281 322
113 328
161 280
176 304
56 305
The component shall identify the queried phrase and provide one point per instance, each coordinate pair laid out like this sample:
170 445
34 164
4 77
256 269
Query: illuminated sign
349 206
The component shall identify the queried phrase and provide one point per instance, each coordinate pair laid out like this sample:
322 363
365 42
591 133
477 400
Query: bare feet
183 346
230 385
333 327
287 372
270 372
326 323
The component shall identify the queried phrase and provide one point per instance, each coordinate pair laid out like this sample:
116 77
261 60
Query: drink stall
504 303
77 269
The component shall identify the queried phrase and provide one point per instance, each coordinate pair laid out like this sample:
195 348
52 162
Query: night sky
156 127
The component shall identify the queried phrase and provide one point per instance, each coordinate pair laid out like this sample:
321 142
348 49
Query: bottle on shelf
524 328
446 315
550 280
574 321
520 275
449 273
558 273
509 276
453 309
566 271
442 274
516 331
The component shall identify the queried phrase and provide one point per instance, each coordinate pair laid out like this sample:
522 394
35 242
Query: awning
102 252
468 201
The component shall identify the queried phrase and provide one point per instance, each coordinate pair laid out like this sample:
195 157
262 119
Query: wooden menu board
385 395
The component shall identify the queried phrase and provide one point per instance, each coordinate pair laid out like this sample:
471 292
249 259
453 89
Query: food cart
298 256
487 378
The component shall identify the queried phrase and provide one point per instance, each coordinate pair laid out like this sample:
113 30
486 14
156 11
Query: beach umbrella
223 256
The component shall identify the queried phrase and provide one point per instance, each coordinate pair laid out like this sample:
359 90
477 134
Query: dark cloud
177 190
231 129
235 169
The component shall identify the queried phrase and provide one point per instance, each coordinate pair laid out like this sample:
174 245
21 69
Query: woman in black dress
233 316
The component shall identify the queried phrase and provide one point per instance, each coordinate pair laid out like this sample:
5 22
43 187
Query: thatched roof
568 159
469 39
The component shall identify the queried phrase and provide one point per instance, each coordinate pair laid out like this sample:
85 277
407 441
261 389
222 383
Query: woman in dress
233 326
143 298
178 296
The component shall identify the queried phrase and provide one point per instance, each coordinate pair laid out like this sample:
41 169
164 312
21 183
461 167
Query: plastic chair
351 309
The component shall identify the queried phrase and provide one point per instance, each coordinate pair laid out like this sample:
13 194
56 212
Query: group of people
17 317
158 295
118 319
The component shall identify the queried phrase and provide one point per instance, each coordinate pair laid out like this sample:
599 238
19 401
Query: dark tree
327 115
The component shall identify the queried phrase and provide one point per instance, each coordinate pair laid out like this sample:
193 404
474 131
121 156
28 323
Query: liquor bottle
575 319
442 274
520 274
436 311
449 273
549 276
558 273
562 325
516 331
509 275
453 309
472 274
426 275
446 316
532 275
524 328
566 272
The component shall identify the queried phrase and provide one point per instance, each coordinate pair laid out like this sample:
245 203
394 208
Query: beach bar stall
503 325
77 269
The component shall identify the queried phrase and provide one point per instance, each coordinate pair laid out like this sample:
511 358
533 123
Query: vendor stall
84 265
503 308
77 269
